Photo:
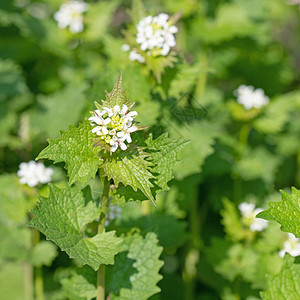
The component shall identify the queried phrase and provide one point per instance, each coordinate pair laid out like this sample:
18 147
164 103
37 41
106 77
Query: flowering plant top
150 42
71 15
114 126
111 140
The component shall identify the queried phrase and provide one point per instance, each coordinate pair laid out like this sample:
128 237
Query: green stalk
28 282
243 141
101 227
38 277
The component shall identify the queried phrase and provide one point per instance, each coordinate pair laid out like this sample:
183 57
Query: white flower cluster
33 173
291 246
155 35
250 97
114 126
70 14
249 213
114 212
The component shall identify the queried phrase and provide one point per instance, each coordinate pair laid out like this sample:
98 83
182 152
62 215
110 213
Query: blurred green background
50 77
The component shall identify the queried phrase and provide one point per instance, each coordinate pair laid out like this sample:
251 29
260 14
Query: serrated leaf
76 149
285 284
132 168
81 285
117 96
62 216
165 157
286 212
145 252
158 64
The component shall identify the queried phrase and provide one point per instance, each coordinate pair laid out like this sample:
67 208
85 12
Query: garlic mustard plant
291 246
33 173
139 167
70 15
114 126
250 97
150 41
249 213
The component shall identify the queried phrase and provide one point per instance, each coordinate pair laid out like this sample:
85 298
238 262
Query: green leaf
258 163
285 284
62 217
158 64
202 136
57 111
11 79
76 149
145 252
240 261
11 197
43 254
116 97
231 221
81 285
165 157
285 212
130 168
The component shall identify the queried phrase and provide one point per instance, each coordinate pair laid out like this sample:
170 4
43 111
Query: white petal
106 121
104 130
123 146
132 129
114 147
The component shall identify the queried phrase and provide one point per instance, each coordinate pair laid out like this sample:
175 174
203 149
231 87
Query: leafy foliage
285 212
285 284
76 149
62 217
146 254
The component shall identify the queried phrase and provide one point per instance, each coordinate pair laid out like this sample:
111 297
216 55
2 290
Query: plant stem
28 282
101 227
38 276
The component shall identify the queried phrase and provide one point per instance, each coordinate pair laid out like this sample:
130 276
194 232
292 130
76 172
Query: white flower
70 14
114 126
133 55
125 47
114 212
291 246
127 130
156 34
101 123
251 98
249 213
33 173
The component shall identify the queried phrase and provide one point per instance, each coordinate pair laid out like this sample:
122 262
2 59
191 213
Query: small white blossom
249 213
114 126
125 47
250 97
33 173
114 212
156 35
133 55
291 246
70 14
